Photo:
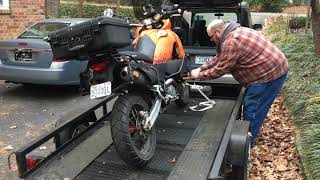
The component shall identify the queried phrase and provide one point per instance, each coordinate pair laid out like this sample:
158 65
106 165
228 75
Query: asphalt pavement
26 112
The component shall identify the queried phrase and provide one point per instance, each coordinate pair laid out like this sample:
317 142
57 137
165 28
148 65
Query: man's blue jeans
258 99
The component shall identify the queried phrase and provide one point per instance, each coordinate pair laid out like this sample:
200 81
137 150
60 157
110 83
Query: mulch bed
275 156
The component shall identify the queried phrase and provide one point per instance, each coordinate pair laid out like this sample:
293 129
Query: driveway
29 111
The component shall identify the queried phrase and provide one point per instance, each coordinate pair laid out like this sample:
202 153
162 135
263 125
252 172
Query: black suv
191 27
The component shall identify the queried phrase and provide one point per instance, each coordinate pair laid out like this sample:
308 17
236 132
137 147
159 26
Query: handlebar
167 14
155 20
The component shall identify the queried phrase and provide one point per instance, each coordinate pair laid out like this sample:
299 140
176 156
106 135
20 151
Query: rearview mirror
218 14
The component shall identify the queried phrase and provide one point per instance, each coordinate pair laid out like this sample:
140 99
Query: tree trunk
315 20
118 7
80 7
308 16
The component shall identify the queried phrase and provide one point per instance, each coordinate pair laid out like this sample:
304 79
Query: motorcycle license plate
100 90
202 59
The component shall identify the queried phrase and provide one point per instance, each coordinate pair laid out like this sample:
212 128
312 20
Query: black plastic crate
96 35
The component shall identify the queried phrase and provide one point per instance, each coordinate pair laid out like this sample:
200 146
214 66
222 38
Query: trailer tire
134 149
241 172
239 150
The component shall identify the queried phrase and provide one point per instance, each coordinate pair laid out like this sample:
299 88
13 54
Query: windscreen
41 30
208 17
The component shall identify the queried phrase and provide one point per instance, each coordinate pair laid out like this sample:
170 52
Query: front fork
151 118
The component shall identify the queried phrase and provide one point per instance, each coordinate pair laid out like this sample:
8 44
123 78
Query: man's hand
195 73
204 67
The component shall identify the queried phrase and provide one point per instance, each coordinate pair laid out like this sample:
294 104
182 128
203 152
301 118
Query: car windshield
41 30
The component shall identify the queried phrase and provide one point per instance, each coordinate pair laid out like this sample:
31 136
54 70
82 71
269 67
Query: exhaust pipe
124 74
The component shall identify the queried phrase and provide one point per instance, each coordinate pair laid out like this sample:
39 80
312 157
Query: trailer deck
185 143
190 145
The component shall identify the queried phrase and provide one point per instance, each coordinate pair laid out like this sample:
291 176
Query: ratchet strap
202 106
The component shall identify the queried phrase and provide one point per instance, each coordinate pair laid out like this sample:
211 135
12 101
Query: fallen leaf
173 160
4 113
8 148
268 158
281 164
43 148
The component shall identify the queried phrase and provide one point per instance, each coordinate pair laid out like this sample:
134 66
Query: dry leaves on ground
275 155
4 114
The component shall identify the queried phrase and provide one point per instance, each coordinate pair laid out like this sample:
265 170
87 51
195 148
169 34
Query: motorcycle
157 80
148 79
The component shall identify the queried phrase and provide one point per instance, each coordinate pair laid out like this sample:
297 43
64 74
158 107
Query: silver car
29 59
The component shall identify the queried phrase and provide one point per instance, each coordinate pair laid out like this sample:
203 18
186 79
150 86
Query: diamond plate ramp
178 121
183 152
99 171
162 160
196 160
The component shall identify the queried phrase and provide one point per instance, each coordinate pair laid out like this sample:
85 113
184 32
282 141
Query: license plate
23 55
202 59
100 90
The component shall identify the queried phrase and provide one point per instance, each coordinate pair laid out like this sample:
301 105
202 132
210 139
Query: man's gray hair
216 24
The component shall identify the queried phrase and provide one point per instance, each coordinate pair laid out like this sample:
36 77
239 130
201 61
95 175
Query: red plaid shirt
248 56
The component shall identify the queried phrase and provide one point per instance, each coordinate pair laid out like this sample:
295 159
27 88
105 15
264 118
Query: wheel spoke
136 111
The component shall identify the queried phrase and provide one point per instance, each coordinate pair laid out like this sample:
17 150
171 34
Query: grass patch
301 91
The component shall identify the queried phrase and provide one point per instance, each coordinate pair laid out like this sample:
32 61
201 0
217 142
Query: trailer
212 144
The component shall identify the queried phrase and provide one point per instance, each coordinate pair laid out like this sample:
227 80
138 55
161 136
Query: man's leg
258 99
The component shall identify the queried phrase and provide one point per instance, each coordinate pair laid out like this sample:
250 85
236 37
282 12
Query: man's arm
225 61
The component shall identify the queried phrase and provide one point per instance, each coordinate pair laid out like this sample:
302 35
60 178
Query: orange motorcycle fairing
159 45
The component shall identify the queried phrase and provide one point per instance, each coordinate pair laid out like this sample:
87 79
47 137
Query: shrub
297 22
69 9
267 5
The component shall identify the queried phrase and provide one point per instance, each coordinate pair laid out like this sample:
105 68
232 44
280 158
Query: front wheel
134 145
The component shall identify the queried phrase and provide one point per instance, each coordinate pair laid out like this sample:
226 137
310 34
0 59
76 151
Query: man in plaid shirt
253 61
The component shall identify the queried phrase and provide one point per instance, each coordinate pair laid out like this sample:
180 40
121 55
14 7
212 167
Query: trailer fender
239 144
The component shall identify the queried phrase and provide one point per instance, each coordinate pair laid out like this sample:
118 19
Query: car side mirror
257 26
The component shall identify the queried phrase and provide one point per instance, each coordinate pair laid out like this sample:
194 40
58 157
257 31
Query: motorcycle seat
138 56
